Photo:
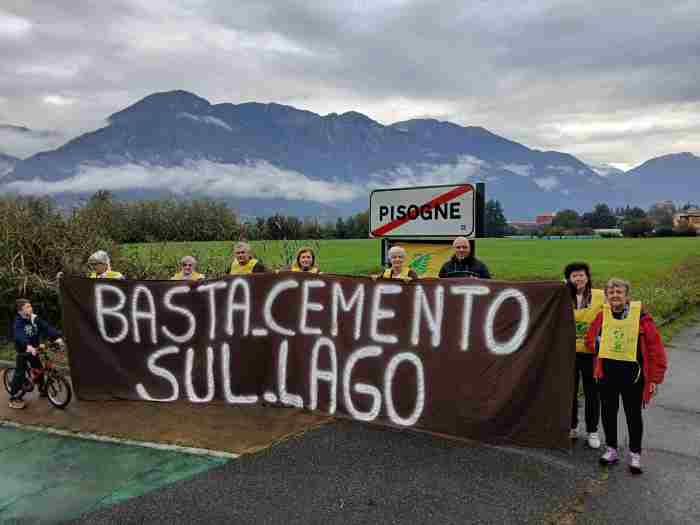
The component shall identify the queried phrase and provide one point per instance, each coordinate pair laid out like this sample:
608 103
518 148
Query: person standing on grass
244 263
397 270
188 272
630 362
463 263
305 261
102 268
28 332
587 303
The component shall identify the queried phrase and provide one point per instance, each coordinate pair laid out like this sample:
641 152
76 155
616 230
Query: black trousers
21 361
631 393
583 371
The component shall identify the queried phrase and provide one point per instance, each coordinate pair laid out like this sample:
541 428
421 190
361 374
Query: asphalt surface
346 472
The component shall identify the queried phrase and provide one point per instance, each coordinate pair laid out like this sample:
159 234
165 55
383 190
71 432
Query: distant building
544 219
689 217
665 205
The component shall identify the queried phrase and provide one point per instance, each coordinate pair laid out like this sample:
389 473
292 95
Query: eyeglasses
188 265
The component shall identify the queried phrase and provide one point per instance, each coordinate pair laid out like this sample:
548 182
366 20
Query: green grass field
639 260
664 272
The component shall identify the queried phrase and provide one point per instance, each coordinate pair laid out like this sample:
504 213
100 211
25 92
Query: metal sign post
426 219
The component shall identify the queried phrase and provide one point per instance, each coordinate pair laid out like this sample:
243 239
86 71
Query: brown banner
486 360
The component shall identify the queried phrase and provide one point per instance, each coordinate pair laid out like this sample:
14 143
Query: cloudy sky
608 81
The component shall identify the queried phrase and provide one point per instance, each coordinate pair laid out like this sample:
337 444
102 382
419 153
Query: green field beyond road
664 272
636 259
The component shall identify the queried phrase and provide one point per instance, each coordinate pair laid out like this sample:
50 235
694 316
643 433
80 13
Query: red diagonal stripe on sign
440 199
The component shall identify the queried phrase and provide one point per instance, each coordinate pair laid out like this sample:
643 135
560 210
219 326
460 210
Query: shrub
685 230
637 228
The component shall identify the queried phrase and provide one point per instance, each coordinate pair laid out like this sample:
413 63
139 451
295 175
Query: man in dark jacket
28 331
463 263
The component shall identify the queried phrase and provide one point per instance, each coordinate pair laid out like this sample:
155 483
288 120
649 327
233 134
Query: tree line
632 221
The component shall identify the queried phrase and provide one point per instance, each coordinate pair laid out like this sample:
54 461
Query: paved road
351 473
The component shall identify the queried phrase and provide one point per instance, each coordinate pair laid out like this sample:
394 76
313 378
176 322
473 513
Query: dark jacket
467 267
30 331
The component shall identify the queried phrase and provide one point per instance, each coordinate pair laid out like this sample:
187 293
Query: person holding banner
463 263
305 261
244 263
587 303
397 257
188 265
630 362
102 268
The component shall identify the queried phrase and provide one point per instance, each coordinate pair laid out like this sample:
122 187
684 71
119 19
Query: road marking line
109 439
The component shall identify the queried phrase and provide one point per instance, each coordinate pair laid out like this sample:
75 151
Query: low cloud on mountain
465 168
22 142
204 178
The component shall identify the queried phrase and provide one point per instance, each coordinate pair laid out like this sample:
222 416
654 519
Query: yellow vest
585 316
402 275
109 274
296 268
237 268
618 337
194 276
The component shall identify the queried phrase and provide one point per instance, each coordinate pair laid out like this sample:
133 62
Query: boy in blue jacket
28 331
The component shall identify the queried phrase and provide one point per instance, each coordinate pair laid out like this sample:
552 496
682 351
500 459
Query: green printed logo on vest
581 329
618 340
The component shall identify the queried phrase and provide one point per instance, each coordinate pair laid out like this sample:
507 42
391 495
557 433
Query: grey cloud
524 170
466 167
516 68
254 180
23 143
547 183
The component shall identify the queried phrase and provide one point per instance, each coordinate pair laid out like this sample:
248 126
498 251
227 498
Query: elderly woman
244 263
102 269
397 270
305 261
630 362
587 304
188 265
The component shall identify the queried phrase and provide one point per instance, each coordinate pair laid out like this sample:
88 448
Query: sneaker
635 463
610 457
593 440
573 433
16 404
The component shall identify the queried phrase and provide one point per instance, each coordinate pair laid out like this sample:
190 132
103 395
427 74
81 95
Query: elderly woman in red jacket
630 362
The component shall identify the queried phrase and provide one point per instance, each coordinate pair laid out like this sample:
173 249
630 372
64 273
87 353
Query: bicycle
55 386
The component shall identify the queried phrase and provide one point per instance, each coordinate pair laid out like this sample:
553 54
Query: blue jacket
30 332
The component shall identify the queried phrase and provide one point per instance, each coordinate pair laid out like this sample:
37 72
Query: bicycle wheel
7 377
58 391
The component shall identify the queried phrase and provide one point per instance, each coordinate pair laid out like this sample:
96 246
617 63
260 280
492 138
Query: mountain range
264 158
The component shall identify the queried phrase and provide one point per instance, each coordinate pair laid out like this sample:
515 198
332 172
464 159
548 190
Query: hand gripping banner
484 360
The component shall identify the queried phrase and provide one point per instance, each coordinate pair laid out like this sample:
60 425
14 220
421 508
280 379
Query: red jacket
649 344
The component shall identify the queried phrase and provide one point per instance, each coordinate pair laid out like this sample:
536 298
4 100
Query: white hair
242 246
396 250
454 243
188 259
100 256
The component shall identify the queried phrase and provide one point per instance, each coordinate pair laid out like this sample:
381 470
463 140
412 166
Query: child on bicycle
28 331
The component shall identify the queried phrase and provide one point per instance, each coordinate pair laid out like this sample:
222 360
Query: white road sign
424 211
